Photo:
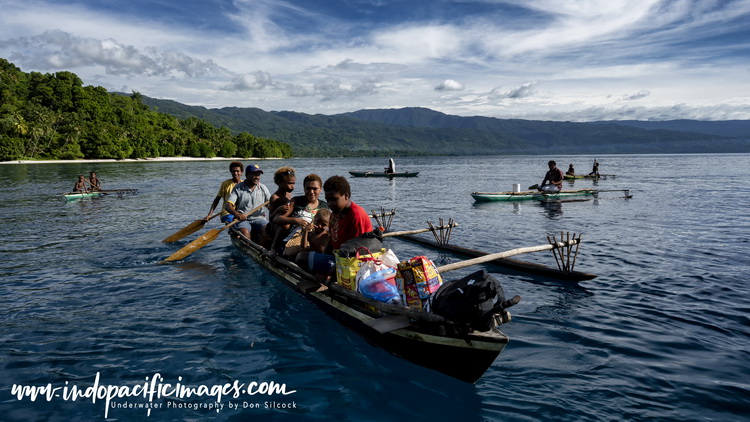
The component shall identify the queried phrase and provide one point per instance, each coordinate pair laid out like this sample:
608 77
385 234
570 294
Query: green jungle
55 117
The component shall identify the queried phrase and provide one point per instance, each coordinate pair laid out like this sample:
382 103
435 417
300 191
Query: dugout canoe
71 196
509 263
383 174
531 195
587 176
417 336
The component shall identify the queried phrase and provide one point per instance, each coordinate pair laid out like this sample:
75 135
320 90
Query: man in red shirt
348 220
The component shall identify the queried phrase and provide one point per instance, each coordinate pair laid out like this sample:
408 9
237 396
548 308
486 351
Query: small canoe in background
531 195
586 176
383 174
70 196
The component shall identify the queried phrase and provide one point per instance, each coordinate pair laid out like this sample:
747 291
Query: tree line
53 116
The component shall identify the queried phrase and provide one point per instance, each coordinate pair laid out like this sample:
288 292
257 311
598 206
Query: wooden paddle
206 238
189 229
506 254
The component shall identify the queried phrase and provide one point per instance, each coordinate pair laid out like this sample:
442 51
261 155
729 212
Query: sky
564 60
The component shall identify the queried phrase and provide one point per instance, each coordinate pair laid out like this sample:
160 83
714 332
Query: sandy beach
159 159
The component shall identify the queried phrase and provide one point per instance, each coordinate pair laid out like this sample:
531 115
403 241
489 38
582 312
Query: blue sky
577 60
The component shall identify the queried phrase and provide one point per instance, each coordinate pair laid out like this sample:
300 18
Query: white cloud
250 82
526 90
60 50
637 96
450 85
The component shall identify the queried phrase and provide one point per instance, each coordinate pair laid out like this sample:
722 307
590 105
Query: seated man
348 220
555 178
571 171
245 197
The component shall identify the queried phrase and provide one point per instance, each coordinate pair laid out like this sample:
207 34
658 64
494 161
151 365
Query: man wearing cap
244 198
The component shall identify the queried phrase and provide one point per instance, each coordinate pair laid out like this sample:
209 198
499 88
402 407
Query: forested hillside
421 131
53 116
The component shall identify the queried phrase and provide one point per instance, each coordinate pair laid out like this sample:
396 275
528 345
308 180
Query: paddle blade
188 230
196 244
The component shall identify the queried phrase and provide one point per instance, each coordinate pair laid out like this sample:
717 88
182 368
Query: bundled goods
416 280
376 279
348 267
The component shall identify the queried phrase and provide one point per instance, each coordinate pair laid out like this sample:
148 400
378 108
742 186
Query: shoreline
136 160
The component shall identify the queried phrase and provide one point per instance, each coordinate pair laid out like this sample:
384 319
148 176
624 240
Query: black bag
371 240
472 300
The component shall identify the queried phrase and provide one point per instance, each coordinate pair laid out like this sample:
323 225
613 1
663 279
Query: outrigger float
70 196
442 234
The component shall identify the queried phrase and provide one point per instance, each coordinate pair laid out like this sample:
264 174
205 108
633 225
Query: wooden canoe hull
531 195
423 342
71 196
383 174
509 263
587 176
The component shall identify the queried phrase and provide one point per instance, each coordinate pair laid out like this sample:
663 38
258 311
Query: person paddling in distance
595 170
94 181
235 169
245 197
348 220
555 178
571 171
298 213
80 185
391 166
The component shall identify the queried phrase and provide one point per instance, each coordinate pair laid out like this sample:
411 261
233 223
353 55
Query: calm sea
662 334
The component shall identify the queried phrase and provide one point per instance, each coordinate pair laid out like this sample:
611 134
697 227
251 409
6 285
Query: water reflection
553 210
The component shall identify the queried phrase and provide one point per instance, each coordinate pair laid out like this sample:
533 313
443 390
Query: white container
516 187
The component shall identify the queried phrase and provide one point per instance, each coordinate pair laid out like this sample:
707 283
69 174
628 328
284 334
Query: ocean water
662 333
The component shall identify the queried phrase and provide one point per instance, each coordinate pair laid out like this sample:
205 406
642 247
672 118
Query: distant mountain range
421 131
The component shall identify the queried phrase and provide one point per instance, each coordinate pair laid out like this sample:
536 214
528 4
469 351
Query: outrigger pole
507 254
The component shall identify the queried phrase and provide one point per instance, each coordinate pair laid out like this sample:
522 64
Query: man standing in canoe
391 166
555 178
348 220
244 197
235 169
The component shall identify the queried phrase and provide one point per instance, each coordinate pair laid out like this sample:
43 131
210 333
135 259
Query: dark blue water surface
663 333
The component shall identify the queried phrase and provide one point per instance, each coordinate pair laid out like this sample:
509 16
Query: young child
94 181
285 180
315 240
80 185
